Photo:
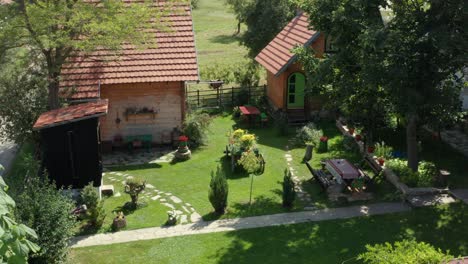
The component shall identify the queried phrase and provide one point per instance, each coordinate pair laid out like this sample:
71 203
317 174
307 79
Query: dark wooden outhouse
70 144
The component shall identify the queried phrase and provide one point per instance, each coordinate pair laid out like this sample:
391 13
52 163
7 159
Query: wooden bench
320 176
144 140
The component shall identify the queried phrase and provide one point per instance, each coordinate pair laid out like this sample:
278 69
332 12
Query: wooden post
217 97
198 98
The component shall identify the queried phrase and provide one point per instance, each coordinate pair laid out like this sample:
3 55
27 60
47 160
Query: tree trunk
238 28
411 142
53 96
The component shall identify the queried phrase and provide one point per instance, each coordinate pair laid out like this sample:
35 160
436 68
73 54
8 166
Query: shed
70 144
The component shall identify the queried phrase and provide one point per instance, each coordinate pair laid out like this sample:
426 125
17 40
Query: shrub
289 194
248 141
406 251
249 162
383 151
308 134
196 126
15 237
218 192
133 187
427 173
194 4
47 210
90 197
425 176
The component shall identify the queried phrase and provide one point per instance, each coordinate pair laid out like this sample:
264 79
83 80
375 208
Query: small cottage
145 88
286 80
70 143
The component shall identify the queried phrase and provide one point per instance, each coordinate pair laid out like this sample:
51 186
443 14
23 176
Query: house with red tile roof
145 87
285 76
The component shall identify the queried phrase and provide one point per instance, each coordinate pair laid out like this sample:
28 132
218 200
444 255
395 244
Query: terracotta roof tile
173 57
71 114
277 53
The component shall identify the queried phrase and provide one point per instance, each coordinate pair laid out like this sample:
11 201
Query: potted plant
370 149
171 218
323 144
119 221
358 137
383 152
183 152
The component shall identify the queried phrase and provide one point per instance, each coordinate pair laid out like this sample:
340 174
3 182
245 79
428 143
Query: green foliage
47 210
245 73
308 135
405 251
289 194
424 177
23 95
264 19
383 151
90 197
16 245
250 162
133 187
196 126
218 192
194 4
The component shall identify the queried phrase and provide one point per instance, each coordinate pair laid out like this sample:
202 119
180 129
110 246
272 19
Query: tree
15 237
240 9
133 187
400 66
289 194
264 19
218 192
406 251
60 29
23 94
47 210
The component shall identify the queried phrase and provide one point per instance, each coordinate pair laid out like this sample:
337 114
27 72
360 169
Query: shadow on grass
136 167
340 240
225 39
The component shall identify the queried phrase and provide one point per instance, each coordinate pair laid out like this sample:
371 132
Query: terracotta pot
358 137
370 149
351 130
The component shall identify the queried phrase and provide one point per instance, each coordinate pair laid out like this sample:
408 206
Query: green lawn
322 242
189 180
214 33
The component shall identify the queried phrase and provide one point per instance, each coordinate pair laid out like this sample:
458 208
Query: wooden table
249 111
342 169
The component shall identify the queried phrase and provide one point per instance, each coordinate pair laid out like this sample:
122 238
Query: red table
249 111
342 169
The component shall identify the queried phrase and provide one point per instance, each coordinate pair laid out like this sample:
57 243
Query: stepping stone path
301 194
184 211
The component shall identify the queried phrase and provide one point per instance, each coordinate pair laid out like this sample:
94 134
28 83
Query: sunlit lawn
322 242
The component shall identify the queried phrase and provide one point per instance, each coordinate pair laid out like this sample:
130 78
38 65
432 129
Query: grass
321 242
189 180
214 29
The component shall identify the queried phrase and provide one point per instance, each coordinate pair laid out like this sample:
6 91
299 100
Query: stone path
238 224
301 194
184 211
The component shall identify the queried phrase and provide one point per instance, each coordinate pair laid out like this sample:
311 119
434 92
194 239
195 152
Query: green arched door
296 85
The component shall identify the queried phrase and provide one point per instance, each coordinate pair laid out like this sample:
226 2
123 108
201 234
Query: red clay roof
71 114
173 58
276 56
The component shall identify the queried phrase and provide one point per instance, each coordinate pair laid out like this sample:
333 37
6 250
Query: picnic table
249 112
342 170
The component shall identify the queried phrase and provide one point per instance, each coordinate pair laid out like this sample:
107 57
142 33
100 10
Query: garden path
184 211
203 227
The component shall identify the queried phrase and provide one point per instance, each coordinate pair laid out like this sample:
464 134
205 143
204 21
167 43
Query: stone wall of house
166 99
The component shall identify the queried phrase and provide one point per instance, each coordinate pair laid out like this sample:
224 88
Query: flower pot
370 149
351 130
119 223
358 137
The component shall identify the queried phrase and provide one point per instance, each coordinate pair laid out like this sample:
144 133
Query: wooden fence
223 97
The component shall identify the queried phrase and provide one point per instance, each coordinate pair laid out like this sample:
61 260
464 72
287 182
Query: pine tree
218 192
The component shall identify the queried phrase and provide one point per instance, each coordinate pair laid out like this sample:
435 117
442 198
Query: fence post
232 96
198 98
217 97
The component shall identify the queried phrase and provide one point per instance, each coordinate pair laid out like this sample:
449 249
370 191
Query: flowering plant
248 141
237 134
324 139
183 138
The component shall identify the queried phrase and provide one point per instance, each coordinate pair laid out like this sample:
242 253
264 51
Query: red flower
324 139
183 138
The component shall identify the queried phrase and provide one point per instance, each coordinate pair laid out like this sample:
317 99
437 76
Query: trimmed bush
308 135
425 176
427 173
95 212
47 210
289 194
406 251
218 192
196 125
